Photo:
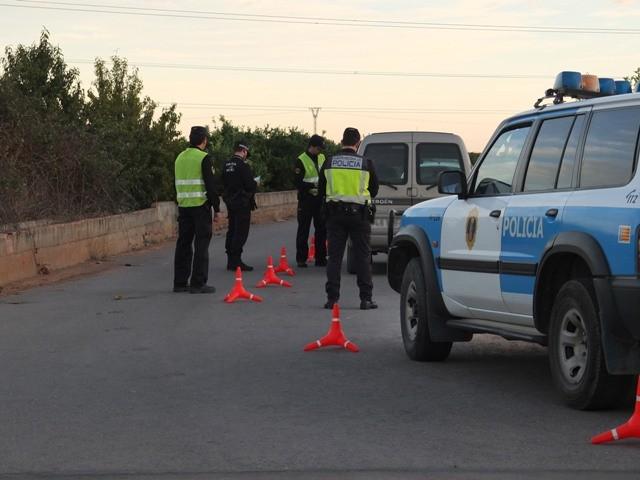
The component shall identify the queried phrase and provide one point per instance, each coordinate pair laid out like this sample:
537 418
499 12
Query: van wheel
351 261
575 352
413 318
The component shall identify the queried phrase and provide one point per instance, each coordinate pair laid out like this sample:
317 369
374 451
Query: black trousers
194 233
311 208
237 234
340 227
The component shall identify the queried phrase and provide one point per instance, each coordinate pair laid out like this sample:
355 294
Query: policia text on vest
196 194
310 203
348 182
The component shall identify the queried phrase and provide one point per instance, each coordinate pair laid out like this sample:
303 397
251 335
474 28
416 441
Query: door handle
552 212
495 213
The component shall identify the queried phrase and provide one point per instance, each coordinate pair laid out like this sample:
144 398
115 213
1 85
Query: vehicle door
534 215
392 162
472 230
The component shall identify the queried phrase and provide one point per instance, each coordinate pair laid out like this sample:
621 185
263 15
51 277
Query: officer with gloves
239 197
310 204
196 194
348 182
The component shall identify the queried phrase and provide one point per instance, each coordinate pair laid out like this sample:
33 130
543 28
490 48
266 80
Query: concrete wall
41 247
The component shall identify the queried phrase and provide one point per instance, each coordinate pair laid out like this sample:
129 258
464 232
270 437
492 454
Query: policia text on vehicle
348 182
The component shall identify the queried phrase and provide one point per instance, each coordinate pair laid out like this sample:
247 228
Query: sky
407 40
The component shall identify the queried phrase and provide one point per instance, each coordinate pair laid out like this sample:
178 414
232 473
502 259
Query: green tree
634 78
40 76
50 169
143 149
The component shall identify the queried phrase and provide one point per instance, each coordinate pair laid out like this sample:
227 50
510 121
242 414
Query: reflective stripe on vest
347 181
190 189
310 170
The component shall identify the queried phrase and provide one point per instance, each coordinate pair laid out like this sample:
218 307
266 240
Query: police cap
241 145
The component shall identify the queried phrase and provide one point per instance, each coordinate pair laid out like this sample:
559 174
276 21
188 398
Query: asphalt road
115 376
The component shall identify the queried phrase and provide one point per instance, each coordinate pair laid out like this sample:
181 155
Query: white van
407 165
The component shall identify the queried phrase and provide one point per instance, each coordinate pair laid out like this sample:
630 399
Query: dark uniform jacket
210 183
239 184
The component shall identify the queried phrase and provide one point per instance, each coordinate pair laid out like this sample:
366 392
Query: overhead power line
341 109
318 71
287 19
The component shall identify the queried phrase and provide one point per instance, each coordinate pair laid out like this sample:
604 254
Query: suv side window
610 148
495 174
391 161
546 154
565 176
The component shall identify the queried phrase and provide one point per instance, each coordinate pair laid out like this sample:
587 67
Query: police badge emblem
471 228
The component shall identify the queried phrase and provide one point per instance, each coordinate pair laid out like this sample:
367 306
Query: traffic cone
239 292
312 250
284 267
631 429
335 335
270 277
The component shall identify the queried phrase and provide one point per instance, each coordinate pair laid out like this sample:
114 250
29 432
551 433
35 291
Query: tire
576 357
414 318
351 263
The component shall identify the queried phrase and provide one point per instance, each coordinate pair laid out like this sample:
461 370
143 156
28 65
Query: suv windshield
391 161
433 158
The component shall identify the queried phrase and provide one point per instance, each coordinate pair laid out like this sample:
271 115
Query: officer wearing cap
310 205
348 182
239 197
196 194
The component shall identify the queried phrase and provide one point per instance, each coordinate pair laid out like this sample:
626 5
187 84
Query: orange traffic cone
631 429
335 335
312 250
270 277
284 267
238 291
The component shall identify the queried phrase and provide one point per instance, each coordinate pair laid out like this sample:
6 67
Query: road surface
115 376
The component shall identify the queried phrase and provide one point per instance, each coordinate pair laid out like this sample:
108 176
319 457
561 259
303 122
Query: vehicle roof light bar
581 87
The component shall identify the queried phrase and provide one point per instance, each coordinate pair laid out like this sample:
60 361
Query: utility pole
314 112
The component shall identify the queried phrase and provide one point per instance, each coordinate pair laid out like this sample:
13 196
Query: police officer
239 197
196 194
348 182
310 205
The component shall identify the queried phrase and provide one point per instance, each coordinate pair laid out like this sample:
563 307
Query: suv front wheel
413 318
575 352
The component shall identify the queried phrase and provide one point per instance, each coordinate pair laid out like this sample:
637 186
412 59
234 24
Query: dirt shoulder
85 269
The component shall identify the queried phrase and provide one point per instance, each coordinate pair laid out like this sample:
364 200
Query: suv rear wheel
575 352
413 318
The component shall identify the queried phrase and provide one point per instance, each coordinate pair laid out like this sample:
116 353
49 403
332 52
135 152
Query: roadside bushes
68 153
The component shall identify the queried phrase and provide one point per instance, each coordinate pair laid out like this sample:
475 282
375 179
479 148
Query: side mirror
453 182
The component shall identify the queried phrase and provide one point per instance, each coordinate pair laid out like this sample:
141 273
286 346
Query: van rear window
391 161
433 158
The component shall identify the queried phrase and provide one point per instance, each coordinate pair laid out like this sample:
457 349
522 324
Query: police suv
539 243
